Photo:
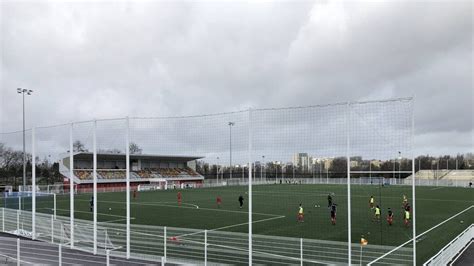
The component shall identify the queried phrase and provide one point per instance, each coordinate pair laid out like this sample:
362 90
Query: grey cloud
105 59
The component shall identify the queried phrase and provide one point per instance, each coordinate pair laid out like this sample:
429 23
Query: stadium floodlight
231 124
23 92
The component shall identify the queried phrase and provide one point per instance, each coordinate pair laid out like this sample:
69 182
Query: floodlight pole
230 147
261 167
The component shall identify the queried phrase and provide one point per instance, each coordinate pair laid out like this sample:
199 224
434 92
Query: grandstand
163 171
465 175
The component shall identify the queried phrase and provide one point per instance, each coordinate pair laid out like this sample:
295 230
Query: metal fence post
413 187
18 251
301 251
205 247
107 255
3 219
164 244
54 201
127 166
250 187
94 176
60 255
71 185
17 222
33 184
348 158
52 229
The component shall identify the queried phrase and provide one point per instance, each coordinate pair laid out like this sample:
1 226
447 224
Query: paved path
37 252
467 257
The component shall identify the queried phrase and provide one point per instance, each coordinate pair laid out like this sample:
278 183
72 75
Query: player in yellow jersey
407 218
371 202
300 214
377 214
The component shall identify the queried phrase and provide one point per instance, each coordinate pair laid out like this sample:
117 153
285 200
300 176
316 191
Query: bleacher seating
86 174
83 174
459 175
445 174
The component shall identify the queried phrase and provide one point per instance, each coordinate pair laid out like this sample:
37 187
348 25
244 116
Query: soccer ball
462 222
110 209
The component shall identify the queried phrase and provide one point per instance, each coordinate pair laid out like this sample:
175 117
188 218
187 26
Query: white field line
425 232
183 207
436 188
170 202
233 225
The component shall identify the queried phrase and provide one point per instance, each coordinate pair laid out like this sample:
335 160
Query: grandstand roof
121 156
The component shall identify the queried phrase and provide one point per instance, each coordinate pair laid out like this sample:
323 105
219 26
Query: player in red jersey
180 198
219 201
390 217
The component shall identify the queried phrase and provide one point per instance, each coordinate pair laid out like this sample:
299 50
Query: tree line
11 166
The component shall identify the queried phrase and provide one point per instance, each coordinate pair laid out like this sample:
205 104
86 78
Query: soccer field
275 208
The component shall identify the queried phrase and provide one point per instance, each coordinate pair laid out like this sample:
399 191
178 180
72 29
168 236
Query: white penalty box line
233 225
420 235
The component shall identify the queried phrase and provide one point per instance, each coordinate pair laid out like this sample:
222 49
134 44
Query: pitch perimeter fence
280 143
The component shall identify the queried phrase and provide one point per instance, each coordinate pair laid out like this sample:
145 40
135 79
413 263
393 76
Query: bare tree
135 149
78 146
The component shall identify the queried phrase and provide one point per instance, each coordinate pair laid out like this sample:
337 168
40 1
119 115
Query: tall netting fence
381 154
302 185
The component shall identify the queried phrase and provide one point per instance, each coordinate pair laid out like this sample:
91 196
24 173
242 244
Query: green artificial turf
275 210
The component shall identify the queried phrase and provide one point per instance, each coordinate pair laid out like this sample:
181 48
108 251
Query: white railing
453 248
181 245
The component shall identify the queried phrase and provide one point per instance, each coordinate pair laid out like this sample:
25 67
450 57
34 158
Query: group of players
406 211
332 207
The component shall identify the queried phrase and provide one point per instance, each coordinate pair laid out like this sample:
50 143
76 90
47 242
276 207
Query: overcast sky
86 60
